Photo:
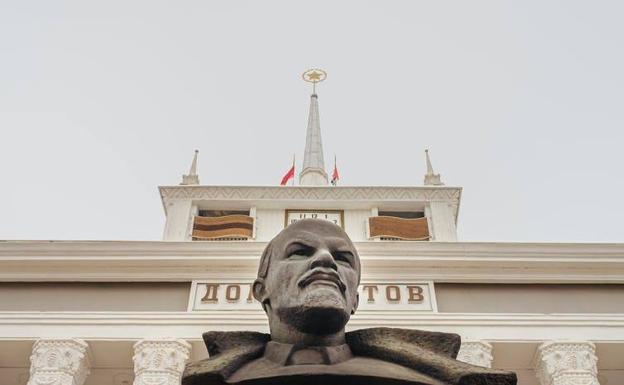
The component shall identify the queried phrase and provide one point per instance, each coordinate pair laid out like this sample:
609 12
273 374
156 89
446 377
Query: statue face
312 277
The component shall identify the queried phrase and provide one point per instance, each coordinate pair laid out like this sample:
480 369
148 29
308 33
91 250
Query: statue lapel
228 352
429 353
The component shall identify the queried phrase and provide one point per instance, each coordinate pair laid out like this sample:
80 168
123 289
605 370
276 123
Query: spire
313 170
192 177
431 179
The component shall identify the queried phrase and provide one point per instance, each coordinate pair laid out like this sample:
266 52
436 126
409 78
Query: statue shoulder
446 344
429 353
228 351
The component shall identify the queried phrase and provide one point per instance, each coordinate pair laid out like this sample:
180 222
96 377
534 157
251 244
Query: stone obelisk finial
431 179
313 171
192 178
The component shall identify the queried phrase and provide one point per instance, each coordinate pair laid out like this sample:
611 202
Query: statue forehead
310 229
304 230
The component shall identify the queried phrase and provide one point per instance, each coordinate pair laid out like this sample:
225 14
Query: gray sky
521 104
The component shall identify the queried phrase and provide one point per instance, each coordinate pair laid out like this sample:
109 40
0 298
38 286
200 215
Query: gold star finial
314 75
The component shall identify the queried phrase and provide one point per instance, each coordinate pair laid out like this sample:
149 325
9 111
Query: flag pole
294 172
334 182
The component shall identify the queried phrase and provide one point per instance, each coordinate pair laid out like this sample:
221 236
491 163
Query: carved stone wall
160 362
567 363
476 353
59 362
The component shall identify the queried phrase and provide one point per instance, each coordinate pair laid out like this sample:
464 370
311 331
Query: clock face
334 216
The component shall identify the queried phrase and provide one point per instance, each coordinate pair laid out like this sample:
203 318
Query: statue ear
259 291
357 302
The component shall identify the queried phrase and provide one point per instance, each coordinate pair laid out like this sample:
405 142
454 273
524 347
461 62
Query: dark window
221 213
402 214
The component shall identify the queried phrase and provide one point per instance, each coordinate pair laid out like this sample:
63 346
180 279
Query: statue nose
323 258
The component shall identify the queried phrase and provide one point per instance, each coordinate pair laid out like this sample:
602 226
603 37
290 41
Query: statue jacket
431 354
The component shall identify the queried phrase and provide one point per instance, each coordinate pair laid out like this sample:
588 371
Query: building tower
257 213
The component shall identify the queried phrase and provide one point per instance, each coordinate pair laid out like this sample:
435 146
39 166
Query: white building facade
132 312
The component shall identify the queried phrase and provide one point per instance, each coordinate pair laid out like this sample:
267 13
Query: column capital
567 363
59 362
476 353
160 361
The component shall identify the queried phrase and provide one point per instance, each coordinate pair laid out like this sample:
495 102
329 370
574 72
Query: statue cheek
294 271
285 277
351 279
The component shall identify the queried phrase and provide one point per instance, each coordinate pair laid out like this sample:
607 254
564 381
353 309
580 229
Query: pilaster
59 362
160 362
179 213
476 353
442 218
567 363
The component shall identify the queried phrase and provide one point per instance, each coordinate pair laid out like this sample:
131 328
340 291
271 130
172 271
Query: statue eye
344 257
300 250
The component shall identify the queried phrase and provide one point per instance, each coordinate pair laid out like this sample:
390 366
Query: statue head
308 278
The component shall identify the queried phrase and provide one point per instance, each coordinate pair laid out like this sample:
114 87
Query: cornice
334 193
289 196
72 248
247 316
286 194
186 261
136 325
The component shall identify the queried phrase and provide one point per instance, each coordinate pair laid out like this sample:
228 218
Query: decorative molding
313 193
561 252
334 193
59 362
476 353
567 363
160 362
186 261
190 326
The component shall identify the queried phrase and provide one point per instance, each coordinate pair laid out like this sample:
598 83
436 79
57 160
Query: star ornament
314 75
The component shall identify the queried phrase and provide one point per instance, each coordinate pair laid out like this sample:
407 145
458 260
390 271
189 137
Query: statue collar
419 350
287 354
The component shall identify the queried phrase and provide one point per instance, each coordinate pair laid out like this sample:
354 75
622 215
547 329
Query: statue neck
288 334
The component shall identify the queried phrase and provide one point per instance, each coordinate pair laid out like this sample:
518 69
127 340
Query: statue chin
319 314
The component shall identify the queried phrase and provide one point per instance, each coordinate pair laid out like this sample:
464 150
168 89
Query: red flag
290 174
335 175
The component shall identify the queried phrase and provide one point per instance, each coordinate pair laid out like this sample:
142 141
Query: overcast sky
521 104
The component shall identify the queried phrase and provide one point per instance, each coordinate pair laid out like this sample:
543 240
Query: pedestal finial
192 178
431 179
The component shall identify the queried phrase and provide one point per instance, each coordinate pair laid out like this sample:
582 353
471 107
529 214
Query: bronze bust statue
307 284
